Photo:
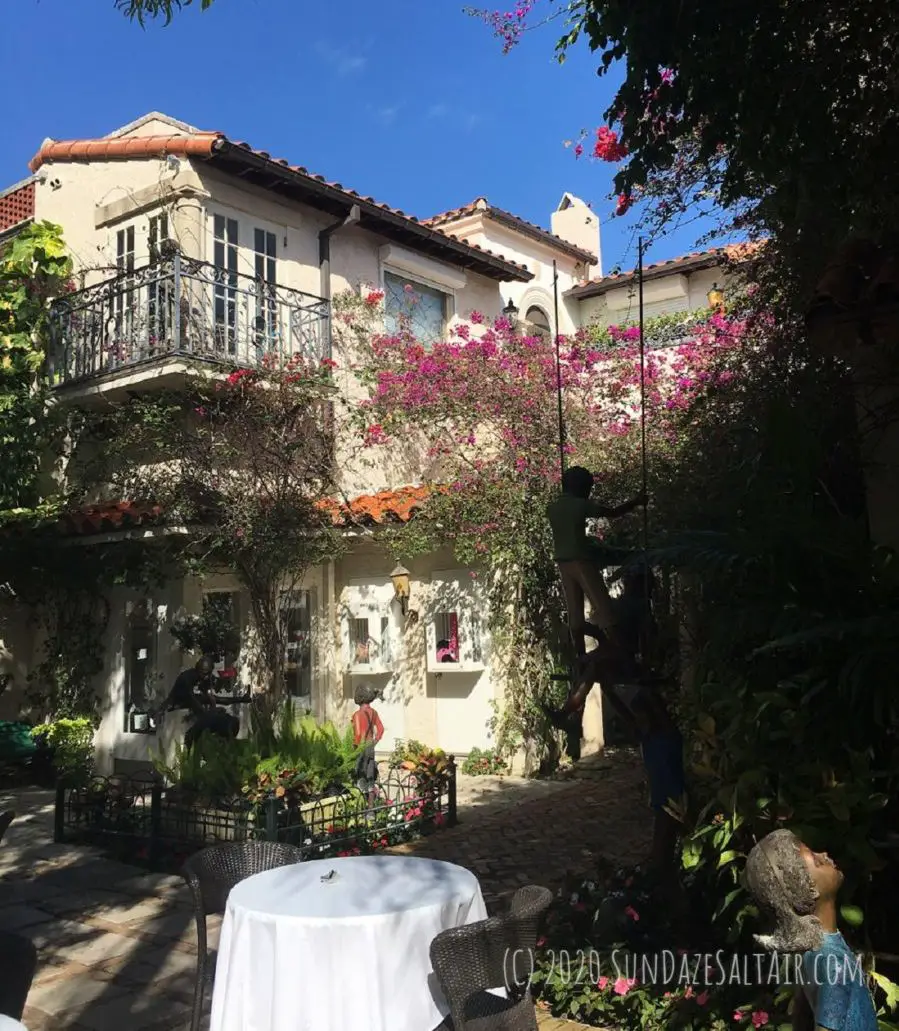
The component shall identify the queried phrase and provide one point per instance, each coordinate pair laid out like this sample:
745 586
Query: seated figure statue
193 691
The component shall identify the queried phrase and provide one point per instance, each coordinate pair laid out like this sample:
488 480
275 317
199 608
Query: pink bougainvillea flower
738 1017
632 913
608 147
688 992
759 1018
602 983
702 998
578 150
374 297
623 985
541 942
623 204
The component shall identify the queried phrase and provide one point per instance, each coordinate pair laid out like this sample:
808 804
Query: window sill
455 667
358 670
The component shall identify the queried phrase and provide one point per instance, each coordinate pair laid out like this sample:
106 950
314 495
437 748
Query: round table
339 945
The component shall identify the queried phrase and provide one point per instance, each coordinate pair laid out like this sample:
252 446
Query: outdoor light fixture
715 297
401 589
511 312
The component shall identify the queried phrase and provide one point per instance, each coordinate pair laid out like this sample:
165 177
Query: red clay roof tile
199 145
481 203
691 262
387 506
206 145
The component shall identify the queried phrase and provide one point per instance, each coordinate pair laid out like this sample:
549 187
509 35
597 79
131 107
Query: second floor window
157 236
266 305
125 250
225 257
422 309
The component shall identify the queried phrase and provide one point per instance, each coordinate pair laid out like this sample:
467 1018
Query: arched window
538 321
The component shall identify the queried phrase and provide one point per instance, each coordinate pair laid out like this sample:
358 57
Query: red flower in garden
624 204
328 363
374 297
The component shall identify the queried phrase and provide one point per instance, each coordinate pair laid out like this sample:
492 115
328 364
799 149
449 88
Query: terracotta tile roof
240 158
203 144
693 262
16 204
120 515
513 221
387 506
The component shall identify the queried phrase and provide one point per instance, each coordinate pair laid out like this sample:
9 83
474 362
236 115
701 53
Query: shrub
403 751
72 744
614 955
480 762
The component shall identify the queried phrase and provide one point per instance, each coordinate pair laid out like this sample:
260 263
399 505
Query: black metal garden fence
140 819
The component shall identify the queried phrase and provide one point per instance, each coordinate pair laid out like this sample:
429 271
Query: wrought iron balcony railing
179 307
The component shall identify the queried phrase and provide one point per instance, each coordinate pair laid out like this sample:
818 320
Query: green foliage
214 770
294 759
404 751
72 743
480 762
34 268
267 517
692 112
209 633
616 955
142 10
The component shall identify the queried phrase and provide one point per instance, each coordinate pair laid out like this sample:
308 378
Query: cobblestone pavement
117 946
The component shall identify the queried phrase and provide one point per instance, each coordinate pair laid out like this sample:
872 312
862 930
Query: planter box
182 820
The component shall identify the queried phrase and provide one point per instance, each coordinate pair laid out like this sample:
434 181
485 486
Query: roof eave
541 235
604 286
271 175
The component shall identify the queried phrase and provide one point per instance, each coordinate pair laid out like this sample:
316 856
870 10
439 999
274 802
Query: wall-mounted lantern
715 297
401 587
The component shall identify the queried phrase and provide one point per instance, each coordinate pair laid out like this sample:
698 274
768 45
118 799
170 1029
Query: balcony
178 310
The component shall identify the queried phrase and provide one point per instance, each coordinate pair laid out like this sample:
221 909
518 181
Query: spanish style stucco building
172 231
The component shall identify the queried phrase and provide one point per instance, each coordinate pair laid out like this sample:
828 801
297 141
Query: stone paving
117 945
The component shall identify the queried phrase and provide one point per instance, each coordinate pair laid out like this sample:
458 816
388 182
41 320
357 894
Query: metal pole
558 371
643 461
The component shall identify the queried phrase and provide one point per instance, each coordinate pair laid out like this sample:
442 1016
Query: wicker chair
5 820
494 953
211 874
18 960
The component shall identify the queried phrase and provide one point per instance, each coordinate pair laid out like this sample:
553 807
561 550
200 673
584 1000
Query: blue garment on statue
663 757
834 984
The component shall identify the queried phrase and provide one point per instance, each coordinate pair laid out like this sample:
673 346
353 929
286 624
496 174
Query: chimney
575 223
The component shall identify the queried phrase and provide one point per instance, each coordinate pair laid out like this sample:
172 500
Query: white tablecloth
349 954
8 1024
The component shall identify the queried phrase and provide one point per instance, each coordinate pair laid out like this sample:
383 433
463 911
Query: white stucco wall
17 646
538 258
663 296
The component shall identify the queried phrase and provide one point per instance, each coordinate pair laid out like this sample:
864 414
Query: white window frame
239 607
465 595
369 598
312 602
157 617
415 279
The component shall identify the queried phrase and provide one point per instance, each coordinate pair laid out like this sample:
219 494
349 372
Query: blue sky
409 101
